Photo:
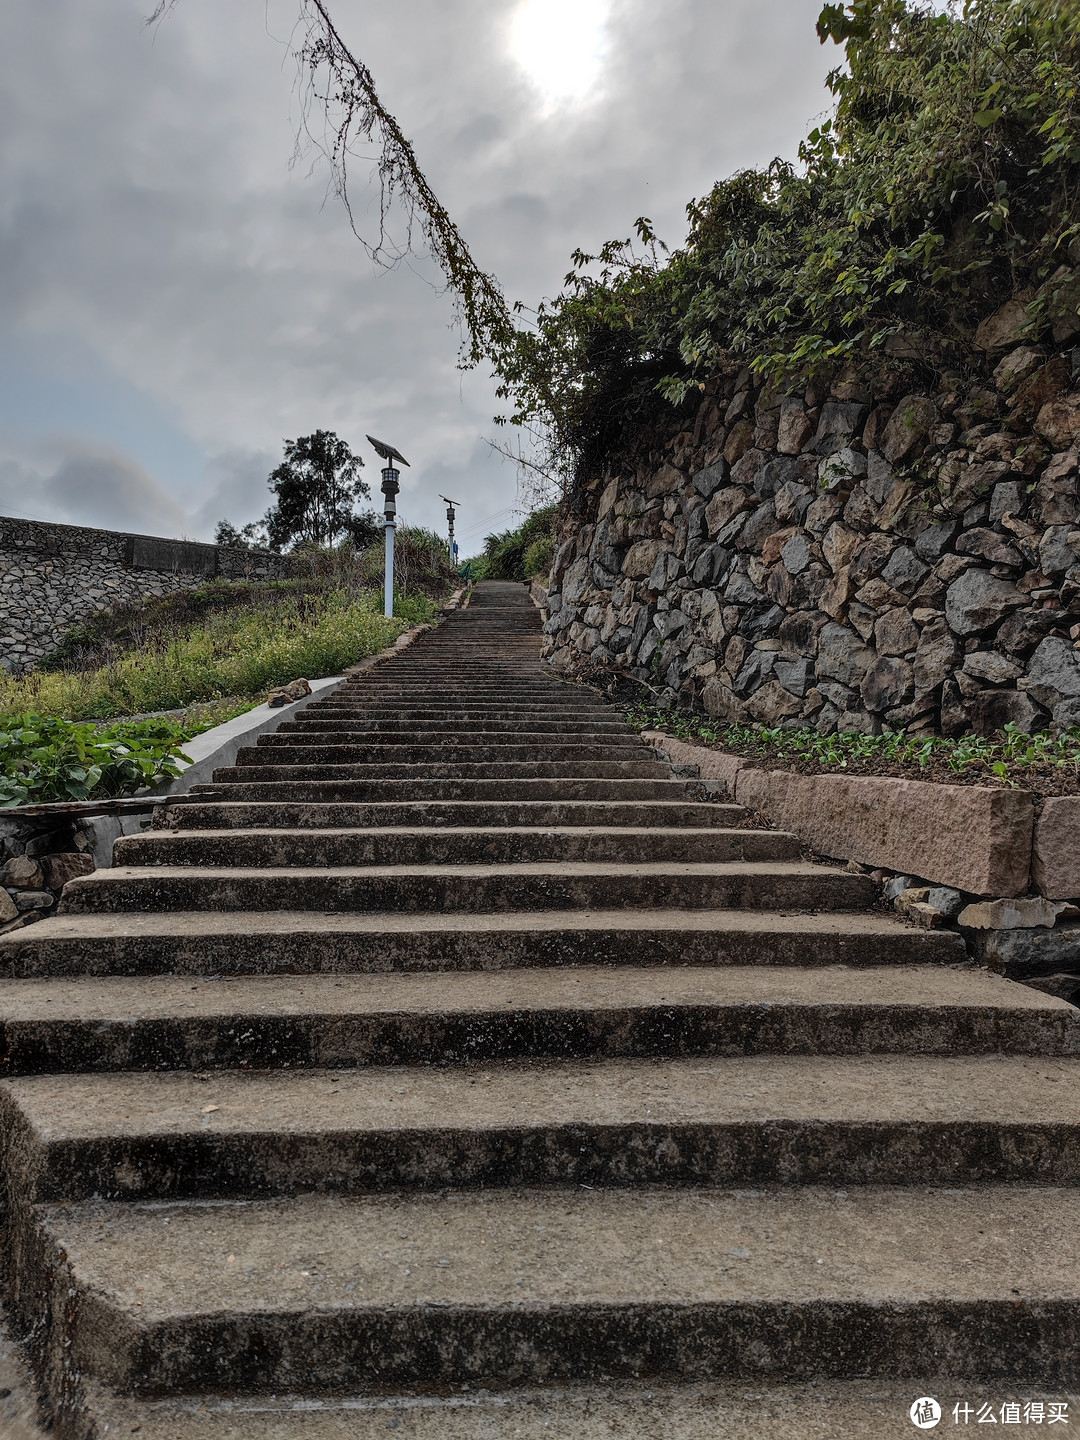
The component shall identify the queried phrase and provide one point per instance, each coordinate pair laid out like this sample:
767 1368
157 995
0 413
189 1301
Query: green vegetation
42 758
944 182
223 641
1005 758
521 554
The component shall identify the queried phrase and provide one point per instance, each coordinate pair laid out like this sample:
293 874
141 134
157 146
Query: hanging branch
331 74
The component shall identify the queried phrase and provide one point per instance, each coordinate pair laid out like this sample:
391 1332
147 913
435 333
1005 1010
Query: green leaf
985 118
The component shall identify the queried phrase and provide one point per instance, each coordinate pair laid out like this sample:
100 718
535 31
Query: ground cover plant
1042 763
43 758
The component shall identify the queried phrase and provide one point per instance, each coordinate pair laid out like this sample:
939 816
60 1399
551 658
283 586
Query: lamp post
390 489
450 526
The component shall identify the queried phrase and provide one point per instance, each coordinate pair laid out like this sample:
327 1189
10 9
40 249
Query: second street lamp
450 526
390 489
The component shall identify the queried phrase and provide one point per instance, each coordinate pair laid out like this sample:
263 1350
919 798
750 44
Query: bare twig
330 73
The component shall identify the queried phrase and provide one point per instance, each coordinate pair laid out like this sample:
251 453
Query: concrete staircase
446 1067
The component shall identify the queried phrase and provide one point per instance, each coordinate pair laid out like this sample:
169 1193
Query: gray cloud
149 217
88 485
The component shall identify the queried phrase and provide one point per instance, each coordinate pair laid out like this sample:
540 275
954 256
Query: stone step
392 728
525 716
632 1410
519 789
552 744
546 752
526 719
334 1294
466 770
420 682
449 845
765 1120
416 889
225 814
302 942
347 1020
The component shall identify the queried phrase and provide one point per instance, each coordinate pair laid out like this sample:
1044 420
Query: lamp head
386 452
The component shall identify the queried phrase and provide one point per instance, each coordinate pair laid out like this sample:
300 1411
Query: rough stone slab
513 789
155 1023
392 732
646 769
713 764
1024 954
1055 848
333 1293
789 1120
451 845
303 942
435 889
226 814
972 837
840 1410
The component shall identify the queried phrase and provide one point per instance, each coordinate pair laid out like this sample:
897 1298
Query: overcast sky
176 298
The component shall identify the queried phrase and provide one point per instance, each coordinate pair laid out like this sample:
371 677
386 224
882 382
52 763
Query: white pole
388 585
389 490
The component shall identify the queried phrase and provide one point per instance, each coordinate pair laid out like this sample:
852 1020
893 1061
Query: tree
248 537
316 486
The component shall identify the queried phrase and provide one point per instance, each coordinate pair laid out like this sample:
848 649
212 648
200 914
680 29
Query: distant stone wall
53 576
848 555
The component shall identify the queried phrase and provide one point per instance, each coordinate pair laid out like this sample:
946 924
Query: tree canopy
944 182
317 486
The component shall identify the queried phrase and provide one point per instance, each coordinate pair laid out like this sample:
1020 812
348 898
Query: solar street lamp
450 526
390 489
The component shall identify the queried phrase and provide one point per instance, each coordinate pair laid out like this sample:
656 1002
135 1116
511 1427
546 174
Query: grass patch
1047 764
211 646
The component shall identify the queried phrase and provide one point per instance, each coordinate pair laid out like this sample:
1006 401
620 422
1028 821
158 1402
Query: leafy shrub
42 758
506 555
944 181
538 557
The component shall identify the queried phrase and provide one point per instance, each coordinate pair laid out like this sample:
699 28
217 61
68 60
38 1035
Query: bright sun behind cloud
560 45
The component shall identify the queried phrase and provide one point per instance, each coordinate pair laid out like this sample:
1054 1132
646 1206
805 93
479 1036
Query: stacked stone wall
54 576
848 555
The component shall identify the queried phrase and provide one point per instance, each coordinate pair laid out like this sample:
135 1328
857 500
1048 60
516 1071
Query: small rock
1065 987
286 694
988 665
923 915
913 418
912 895
977 600
1005 327
950 902
897 885
33 899
8 909
59 869
1025 914
21 873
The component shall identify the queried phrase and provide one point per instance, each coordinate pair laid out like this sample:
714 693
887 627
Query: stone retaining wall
53 576
849 555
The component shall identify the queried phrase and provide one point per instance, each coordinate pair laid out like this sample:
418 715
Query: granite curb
983 840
